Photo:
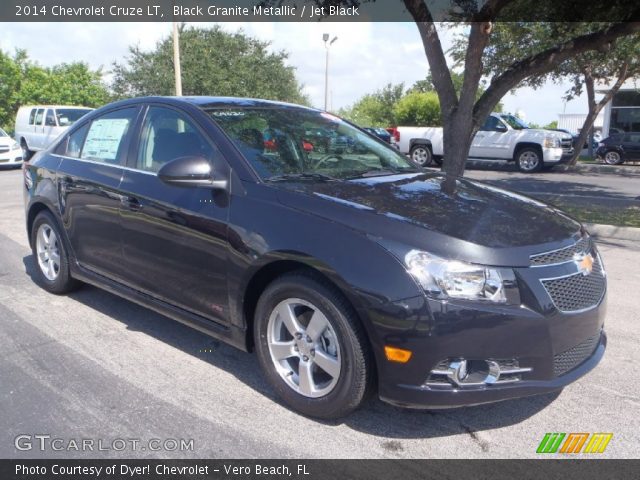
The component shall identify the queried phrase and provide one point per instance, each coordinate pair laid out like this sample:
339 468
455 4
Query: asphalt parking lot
92 365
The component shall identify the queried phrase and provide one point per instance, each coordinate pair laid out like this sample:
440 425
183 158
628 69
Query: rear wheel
529 160
421 154
26 153
311 347
50 254
612 158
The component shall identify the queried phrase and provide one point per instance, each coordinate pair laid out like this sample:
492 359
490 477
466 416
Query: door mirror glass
190 171
500 127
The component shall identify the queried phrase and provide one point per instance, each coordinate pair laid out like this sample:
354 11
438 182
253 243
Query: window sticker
104 137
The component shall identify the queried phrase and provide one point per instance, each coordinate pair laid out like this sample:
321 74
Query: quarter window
32 116
50 120
104 141
167 134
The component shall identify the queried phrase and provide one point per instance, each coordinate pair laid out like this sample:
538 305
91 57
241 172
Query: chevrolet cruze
347 270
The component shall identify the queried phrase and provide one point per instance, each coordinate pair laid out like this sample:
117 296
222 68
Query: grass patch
621 217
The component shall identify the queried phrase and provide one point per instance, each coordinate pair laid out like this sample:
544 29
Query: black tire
63 282
26 153
529 160
421 155
612 157
354 382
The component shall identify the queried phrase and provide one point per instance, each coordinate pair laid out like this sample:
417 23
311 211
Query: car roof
206 102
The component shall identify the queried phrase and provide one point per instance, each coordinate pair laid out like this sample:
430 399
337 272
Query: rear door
175 238
631 145
89 175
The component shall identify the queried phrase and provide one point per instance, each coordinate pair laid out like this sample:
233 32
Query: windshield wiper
300 176
379 172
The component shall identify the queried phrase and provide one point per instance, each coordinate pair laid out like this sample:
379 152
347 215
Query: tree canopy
214 62
24 82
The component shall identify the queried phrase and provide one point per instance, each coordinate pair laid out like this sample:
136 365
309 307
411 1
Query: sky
364 58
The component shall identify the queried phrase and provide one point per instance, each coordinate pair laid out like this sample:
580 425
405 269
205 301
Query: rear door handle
130 203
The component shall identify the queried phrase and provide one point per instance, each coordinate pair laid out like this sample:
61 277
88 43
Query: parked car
10 153
37 126
501 137
343 272
619 147
381 133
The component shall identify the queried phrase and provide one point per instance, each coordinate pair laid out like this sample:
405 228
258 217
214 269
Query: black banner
311 10
319 469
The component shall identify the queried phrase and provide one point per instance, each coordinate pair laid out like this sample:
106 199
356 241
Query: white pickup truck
502 137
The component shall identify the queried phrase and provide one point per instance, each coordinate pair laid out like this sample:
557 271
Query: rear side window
39 116
32 116
106 136
71 145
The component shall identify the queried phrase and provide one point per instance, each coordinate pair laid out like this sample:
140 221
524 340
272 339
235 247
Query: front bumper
556 155
12 157
557 347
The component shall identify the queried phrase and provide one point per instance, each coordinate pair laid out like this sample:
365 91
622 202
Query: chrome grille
4 149
577 292
567 145
570 359
562 255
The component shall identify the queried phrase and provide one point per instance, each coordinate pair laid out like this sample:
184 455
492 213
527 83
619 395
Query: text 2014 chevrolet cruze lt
286 230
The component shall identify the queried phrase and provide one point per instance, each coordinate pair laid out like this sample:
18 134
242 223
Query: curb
612 231
600 168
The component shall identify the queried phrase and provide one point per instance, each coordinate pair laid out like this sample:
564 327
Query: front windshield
284 142
69 116
3 133
514 122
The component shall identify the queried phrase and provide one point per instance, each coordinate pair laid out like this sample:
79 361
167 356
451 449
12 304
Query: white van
39 125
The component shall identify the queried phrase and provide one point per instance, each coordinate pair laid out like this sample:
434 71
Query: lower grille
577 292
570 359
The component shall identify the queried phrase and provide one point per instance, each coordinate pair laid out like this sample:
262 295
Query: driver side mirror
500 128
190 171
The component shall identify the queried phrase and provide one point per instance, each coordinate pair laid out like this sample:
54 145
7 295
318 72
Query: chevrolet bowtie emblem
584 263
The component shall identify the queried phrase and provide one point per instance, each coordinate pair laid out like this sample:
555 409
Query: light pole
176 60
325 38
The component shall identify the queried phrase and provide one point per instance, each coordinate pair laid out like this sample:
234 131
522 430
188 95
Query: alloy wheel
48 252
612 158
304 348
421 156
529 161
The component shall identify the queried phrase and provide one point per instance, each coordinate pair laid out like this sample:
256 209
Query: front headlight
15 146
442 278
551 142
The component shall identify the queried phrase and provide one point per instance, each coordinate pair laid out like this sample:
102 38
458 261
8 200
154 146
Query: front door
174 238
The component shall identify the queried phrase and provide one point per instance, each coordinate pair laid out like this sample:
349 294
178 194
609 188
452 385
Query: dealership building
621 114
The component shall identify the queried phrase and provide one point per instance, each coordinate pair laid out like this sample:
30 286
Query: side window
490 124
50 120
167 134
104 141
39 116
32 116
72 145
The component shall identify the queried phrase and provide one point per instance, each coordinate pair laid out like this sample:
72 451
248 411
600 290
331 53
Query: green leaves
23 82
213 62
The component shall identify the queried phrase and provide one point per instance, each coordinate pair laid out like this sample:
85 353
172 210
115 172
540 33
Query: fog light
468 373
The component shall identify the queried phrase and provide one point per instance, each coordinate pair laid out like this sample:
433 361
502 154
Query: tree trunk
595 108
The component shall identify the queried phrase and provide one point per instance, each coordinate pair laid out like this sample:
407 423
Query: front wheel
529 160
612 158
421 155
311 347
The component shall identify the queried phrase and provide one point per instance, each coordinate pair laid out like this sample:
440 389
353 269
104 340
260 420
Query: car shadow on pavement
373 418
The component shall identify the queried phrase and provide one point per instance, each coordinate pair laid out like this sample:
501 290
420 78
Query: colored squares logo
574 443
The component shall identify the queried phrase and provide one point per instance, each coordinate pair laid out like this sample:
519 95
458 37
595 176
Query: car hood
477 223
540 132
6 141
